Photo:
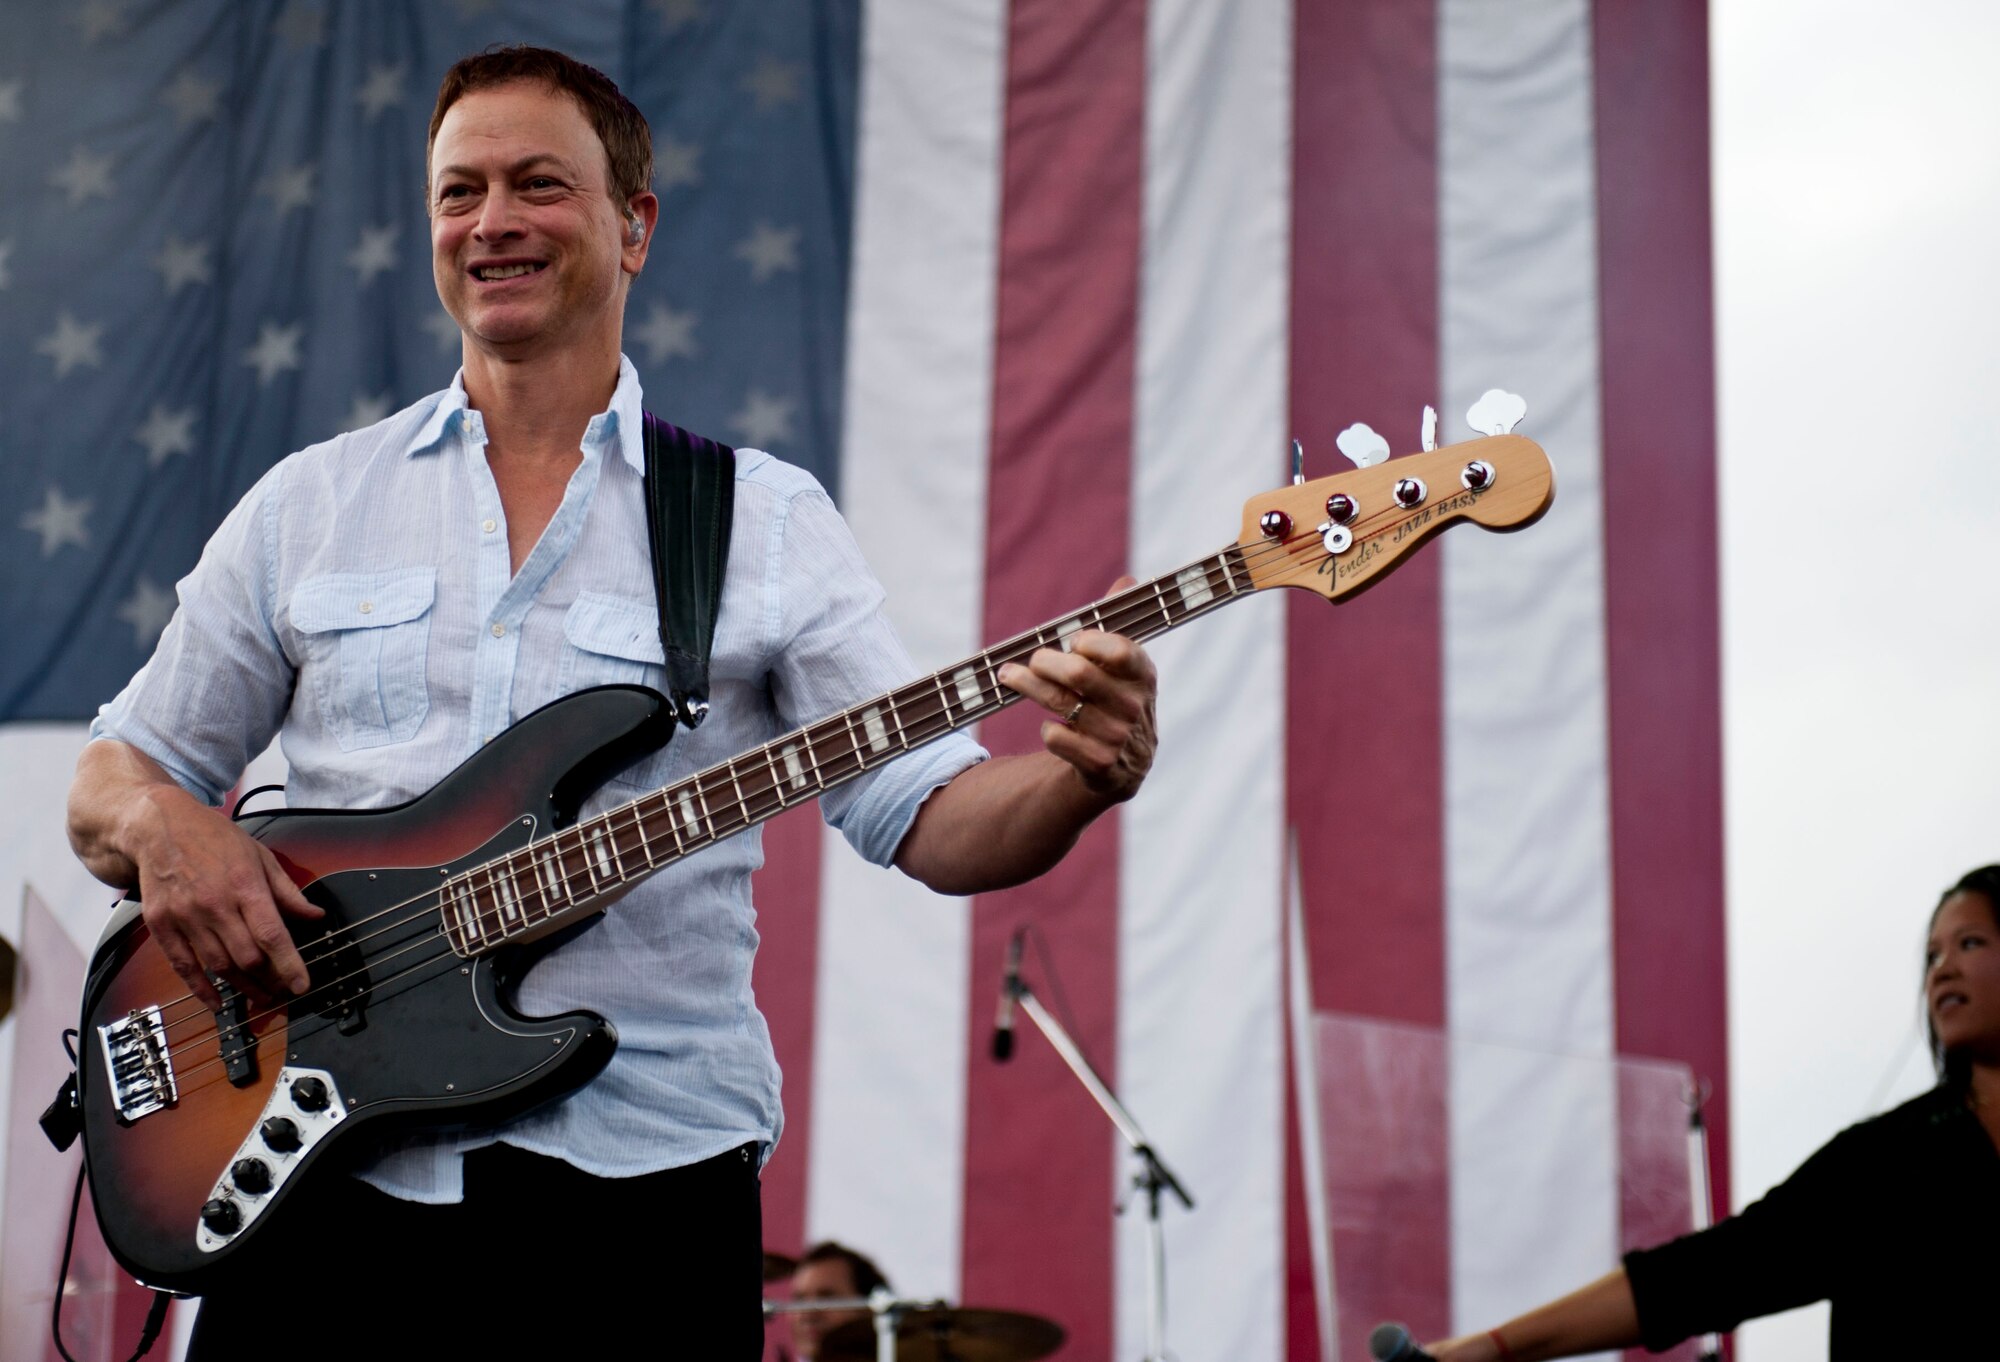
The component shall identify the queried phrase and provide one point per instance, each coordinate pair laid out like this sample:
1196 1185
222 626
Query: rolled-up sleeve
834 647
218 685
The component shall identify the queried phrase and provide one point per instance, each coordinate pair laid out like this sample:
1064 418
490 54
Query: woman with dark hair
1896 1220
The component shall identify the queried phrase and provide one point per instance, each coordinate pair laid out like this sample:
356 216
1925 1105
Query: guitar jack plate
303 1106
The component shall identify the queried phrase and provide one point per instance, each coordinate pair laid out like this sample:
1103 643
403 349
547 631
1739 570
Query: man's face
528 246
821 1281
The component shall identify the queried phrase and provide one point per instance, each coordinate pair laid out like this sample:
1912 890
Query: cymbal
950 1336
777 1266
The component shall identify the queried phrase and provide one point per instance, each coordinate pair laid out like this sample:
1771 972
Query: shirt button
367 606
499 631
489 525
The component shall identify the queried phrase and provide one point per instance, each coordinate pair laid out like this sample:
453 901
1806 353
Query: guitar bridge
136 1061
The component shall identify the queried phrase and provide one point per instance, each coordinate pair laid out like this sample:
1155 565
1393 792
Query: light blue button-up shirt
359 604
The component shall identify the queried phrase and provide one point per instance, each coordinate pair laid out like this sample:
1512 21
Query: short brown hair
860 1268
628 141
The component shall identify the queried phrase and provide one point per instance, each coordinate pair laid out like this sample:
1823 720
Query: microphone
1010 987
1392 1343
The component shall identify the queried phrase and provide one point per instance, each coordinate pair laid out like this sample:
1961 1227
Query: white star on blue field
218 254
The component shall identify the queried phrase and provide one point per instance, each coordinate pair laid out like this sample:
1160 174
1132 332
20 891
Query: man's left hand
1102 693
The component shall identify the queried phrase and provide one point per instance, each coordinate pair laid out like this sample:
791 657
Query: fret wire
854 744
922 711
639 824
771 764
737 783
670 809
707 818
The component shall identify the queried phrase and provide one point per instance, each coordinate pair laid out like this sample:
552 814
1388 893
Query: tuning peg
1361 444
1496 412
1298 462
1430 428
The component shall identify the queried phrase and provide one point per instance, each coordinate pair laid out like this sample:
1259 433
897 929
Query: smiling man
388 602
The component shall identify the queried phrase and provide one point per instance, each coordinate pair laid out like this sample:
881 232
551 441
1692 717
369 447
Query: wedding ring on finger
1069 719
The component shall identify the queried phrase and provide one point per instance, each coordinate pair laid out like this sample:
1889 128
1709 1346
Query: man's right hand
214 898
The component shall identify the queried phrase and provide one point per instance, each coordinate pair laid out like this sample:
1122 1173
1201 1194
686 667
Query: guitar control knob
1275 524
309 1093
280 1134
221 1216
1410 492
1477 477
1342 508
251 1175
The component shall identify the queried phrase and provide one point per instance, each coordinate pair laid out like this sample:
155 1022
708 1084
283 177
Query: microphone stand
1153 1175
1701 1193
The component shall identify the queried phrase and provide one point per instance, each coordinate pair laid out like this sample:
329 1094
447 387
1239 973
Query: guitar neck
564 876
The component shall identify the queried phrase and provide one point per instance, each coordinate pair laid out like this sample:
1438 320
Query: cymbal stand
1153 1176
887 1308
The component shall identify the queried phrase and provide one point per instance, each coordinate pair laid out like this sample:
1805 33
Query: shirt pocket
367 636
615 640
610 640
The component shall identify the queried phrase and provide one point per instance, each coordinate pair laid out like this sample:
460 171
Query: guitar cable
156 1316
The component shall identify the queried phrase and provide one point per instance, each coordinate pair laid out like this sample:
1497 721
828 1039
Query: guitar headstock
1337 535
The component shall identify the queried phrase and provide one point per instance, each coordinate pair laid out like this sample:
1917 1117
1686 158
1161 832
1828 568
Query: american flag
1041 289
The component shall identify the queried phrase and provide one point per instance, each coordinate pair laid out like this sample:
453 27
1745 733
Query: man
390 600
830 1271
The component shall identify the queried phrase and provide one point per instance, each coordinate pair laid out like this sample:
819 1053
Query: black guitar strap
690 502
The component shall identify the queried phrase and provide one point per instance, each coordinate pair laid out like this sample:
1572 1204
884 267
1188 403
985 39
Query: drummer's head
829 1271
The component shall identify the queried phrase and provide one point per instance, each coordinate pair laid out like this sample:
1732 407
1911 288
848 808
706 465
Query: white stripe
1306 1070
1534 1183
1200 1021
888 1124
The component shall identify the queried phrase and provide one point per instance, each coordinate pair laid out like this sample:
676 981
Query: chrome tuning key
1430 428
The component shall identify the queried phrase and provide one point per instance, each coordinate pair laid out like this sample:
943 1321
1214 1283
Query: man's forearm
998 824
113 782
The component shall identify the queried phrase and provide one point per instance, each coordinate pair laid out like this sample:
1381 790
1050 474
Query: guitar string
752 805
928 707
919 716
1113 615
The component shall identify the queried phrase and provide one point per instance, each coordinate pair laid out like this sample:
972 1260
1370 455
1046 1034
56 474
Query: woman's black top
1896 1221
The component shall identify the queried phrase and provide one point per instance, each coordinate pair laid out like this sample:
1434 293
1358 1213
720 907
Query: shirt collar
621 422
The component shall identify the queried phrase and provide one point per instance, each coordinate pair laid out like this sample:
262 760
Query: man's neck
537 407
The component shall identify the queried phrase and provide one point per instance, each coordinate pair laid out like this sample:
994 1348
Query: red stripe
1363 694
1660 554
785 978
1039 1156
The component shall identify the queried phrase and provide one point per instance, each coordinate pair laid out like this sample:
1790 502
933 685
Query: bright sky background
1857 178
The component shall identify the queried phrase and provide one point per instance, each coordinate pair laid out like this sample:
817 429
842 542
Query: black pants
539 1260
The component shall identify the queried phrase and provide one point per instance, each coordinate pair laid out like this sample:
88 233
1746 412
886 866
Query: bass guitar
199 1123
